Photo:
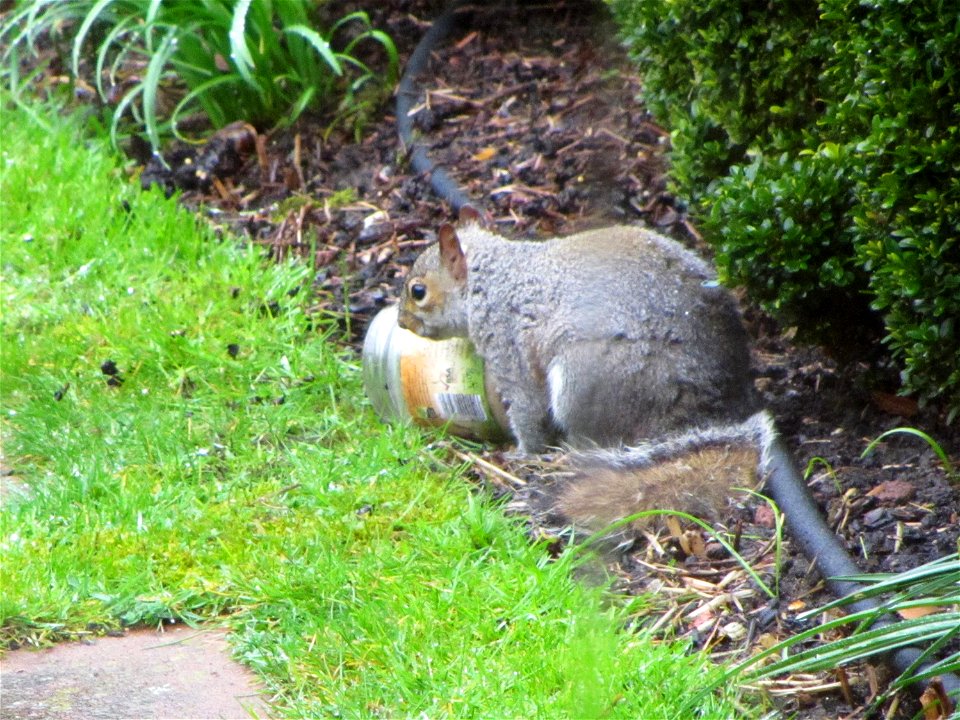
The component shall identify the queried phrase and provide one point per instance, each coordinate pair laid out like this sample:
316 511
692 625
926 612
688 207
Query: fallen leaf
911 613
764 516
692 543
930 702
485 154
893 491
703 620
673 525
895 404
767 640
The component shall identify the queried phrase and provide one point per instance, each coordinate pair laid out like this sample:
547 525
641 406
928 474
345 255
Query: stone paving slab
177 673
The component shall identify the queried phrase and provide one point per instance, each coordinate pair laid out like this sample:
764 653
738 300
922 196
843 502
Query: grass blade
867 644
88 21
947 568
108 42
239 52
934 445
388 45
317 42
151 83
207 100
153 11
126 101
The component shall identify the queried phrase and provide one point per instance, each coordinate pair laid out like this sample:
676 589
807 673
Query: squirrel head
433 300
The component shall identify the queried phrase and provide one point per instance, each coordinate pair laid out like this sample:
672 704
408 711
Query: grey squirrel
609 337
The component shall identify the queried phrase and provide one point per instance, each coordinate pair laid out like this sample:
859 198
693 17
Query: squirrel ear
469 214
452 258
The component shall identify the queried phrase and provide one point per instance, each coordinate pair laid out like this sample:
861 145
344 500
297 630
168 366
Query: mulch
538 114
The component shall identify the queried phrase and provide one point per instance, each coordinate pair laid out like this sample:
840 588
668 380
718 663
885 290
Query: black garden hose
785 484
408 93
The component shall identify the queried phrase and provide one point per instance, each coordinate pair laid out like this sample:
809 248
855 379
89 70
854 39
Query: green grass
360 575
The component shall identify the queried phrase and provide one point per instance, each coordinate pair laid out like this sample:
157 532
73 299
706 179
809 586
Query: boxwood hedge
819 146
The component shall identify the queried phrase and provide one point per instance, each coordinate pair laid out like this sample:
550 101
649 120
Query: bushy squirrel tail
695 472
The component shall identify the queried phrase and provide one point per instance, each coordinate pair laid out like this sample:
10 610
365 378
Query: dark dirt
536 112
176 673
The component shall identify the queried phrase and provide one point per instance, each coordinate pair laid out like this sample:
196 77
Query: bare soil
539 115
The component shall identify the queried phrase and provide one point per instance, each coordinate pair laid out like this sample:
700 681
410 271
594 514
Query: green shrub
900 114
231 59
723 75
786 215
819 144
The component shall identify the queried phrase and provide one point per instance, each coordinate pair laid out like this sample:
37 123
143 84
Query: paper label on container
444 384
458 406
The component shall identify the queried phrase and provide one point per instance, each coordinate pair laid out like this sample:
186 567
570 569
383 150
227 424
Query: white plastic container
432 383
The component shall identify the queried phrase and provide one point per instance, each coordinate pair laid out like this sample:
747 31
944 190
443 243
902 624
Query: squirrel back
610 336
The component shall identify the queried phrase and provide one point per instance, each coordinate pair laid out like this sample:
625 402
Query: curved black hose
408 92
818 542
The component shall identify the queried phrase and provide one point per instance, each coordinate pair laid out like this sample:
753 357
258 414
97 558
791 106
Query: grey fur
629 327
757 431
697 472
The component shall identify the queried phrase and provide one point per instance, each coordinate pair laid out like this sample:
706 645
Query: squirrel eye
418 291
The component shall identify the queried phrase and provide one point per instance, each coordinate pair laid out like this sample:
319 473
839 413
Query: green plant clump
261 61
820 146
927 595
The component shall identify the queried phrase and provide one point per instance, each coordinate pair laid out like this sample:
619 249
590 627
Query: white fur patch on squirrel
555 389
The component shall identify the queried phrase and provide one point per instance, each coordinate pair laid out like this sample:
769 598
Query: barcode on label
457 406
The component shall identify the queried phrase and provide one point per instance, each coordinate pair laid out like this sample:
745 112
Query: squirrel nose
405 321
